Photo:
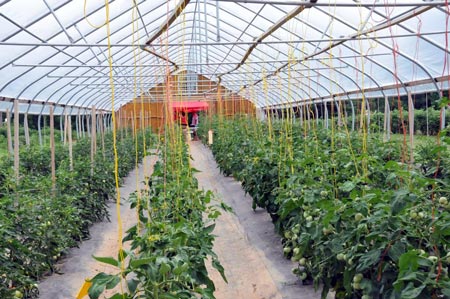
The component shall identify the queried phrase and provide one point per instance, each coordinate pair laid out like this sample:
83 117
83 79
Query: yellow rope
87 20
116 158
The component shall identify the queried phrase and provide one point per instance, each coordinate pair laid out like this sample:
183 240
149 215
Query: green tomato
421 215
303 276
357 286
323 193
302 261
18 294
359 217
287 250
357 278
365 297
341 257
309 218
413 215
432 258
443 200
296 250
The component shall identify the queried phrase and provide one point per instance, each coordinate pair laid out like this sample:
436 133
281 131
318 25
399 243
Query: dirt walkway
79 263
246 243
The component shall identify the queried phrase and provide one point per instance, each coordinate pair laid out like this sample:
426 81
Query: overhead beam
337 4
26 44
36 102
266 34
170 19
160 57
374 89
353 36
193 64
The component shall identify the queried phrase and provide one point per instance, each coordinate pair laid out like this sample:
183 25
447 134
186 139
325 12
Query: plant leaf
107 260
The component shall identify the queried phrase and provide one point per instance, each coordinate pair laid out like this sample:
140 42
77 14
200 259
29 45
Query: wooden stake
69 133
387 119
411 126
16 139
8 132
26 130
52 148
102 132
93 138
66 127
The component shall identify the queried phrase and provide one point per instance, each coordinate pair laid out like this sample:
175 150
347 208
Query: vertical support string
52 149
8 133
16 139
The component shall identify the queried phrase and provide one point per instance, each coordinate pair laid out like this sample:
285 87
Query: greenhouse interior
224 149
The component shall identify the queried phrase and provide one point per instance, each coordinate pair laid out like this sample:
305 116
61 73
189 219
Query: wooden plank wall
150 110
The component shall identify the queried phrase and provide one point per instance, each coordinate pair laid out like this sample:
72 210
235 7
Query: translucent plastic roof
272 52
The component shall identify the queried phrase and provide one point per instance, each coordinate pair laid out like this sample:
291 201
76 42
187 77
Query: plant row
40 221
352 215
171 240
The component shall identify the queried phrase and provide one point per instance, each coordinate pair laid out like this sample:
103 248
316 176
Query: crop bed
172 239
355 218
38 224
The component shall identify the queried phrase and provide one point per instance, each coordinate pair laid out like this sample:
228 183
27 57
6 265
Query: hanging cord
438 162
87 20
399 103
135 35
116 157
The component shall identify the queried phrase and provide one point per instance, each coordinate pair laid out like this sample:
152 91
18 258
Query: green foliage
171 243
357 221
38 224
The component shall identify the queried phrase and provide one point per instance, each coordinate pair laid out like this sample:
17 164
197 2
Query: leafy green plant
357 221
39 224
171 241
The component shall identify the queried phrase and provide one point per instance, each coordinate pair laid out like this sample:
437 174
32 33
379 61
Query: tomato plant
171 242
38 224
353 216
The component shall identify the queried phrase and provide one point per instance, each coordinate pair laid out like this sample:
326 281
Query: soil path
79 264
246 243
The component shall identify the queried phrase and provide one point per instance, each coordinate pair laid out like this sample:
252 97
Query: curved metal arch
344 45
56 8
291 89
92 31
243 32
70 90
407 57
202 34
90 94
153 9
53 36
298 95
93 58
318 84
339 59
343 61
74 89
101 101
407 28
